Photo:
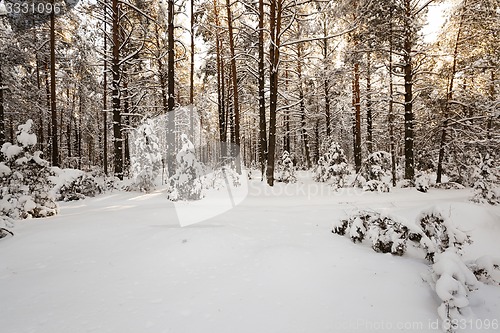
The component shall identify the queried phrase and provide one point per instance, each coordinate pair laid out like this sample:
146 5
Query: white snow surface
121 263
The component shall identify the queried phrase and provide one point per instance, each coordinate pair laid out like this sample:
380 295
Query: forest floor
122 263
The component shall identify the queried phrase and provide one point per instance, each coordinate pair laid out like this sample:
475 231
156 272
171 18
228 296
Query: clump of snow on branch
332 165
146 160
186 183
286 169
25 186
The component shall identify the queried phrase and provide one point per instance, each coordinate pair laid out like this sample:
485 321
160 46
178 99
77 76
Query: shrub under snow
486 187
286 172
332 166
73 184
449 276
384 233
377 172
452 281
433 232
146 161
24 180
186 183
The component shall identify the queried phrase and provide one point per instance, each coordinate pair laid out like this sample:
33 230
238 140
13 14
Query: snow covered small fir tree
486 187
25 186
186 183
286 172
332 166
146 158
377 171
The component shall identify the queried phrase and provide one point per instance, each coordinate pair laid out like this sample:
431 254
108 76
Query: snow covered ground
122 263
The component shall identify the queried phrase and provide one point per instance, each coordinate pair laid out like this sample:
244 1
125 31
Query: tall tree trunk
170 90
326 82
303 124
47 100
220 84
449 97
274 57
408 106
234 76
116 93
191 73
262 95
489 124
104 96
369 117
392 140
2 112
55 148
356 105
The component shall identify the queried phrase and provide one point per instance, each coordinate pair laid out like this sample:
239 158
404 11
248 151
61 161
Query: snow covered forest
240 166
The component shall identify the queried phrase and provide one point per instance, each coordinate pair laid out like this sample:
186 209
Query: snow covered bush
433 233
449 186
25 184
146 160
5 232
286 170
377 166
186 183
385 234
439 234
377 172
452 281
376 186
221 177
486 187
486 269
422 183
73 184
332 166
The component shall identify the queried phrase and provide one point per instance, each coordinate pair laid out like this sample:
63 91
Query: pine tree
486 187
186 183
146 157
287 172
332 166
25 185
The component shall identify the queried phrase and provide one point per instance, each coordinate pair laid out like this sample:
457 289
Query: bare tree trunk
104 96
47 99
356 105
262 96
170 90
408 106
489 126
449 97
274 55
326 83
191 73
303 124
116 92
391 111
55 149
369 117
236 108
2 112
